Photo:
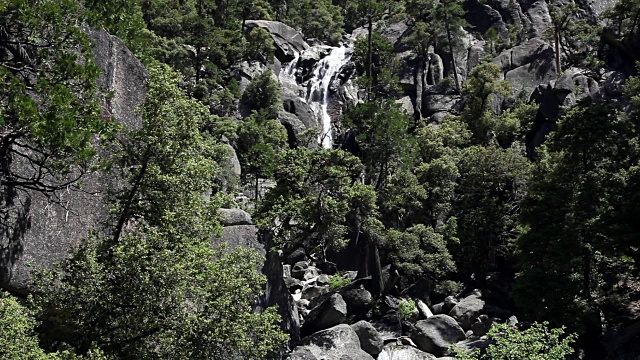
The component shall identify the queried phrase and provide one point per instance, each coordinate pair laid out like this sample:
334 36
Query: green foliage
317 198
260 138
579 225
420 249
319 19
153 286
381 81
18 338
263 94
406 309
49 109
575 37
259 45
491 185
381 129
122 18
624 18
480 91
337 281
538 342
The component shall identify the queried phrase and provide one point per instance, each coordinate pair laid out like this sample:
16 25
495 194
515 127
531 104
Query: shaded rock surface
435 334
288 41
404 352
330 313
370 339
40 232
337 343
467 311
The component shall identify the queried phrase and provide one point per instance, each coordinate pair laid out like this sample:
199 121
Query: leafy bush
337 281
538 342
406 308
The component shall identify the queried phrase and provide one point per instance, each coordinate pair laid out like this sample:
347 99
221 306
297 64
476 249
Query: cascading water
323 75
288 74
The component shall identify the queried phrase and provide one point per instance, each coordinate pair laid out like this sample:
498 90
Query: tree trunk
556 36
369 56
453 57
369 265
420 81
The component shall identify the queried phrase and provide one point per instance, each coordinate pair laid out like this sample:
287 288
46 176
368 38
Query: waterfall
287 75
324 74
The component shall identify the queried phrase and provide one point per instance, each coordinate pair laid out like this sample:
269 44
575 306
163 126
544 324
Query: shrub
538 342
337 281
406 308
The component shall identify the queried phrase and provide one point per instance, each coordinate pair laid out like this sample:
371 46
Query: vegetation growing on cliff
446 202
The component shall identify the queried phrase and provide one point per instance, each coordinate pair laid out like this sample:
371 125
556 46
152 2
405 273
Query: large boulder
331 312
370 339
245 236
288 41
404 352
337 343
528 64
235 217
296 105
358 300
39 231
436 334
467 311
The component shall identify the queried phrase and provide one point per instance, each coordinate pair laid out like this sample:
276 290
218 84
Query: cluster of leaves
157 257
406 309
337 281
538 342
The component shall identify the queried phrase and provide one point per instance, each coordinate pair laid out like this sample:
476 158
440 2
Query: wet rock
438 308
328 268
478 328
389 326
435 334
312 292
323 280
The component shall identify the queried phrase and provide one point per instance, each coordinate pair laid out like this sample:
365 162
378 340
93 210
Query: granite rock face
40 232
337 343
288 41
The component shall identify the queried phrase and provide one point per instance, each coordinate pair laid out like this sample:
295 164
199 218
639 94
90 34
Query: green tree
383 141
153 286
19 339
317 200
49 108
448 17
319 19
491 185
538 342
575 38
381 81
578 238
480 91
260 138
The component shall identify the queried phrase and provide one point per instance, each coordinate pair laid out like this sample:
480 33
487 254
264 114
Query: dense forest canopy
528 193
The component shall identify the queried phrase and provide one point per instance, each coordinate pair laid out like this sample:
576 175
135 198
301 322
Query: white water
287 75
323 75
